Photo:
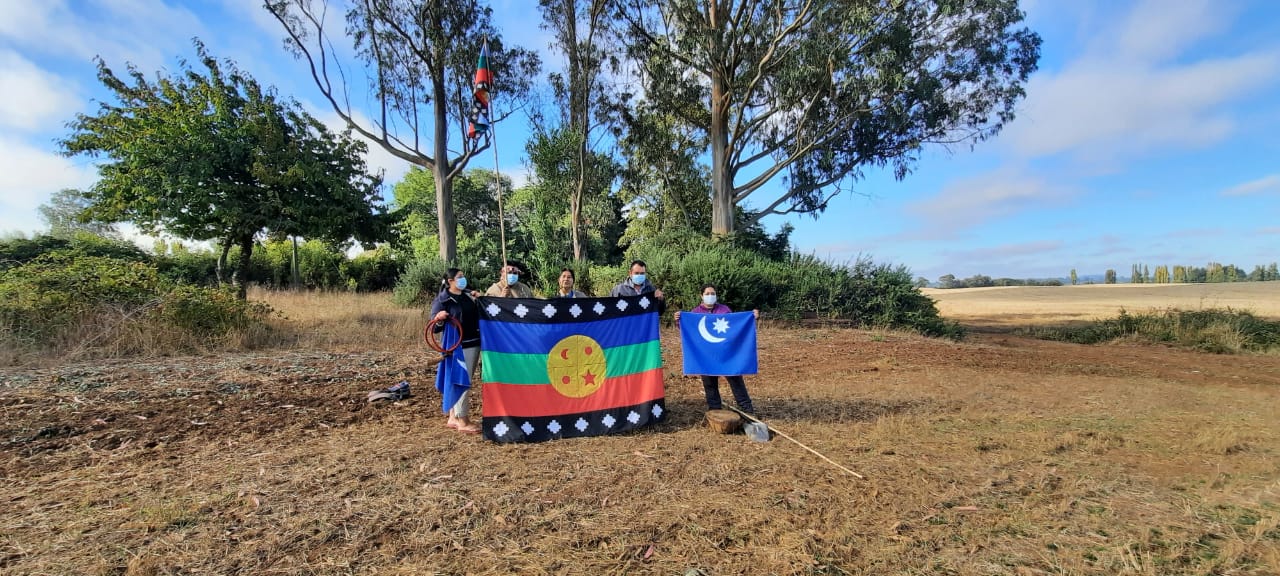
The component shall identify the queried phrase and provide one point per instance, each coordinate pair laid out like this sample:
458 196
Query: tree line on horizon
1141 274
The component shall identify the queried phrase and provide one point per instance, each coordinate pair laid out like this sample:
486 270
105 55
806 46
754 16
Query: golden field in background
1025 305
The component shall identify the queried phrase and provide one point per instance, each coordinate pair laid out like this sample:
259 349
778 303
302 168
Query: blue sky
1151 133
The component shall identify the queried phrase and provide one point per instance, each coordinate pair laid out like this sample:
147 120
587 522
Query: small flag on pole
480 102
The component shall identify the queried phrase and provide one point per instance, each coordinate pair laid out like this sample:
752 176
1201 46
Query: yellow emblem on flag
576 367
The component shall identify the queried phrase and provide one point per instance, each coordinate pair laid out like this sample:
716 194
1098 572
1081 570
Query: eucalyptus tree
415 60
814 92
584 98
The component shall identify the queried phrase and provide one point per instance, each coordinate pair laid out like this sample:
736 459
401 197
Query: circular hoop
429 335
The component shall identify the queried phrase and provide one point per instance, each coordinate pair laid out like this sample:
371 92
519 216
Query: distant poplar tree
1109 277
1074 279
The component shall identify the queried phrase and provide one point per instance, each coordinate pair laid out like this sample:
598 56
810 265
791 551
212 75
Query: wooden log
724 421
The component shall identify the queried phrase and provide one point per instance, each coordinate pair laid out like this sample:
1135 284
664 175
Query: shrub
60 300
208 312
420 281
801 287
1216 330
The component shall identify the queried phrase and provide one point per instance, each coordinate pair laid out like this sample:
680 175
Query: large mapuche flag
568 368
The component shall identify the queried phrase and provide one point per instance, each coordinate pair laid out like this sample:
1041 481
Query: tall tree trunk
446 222
721 183
294 265
241 275
577 122
222 261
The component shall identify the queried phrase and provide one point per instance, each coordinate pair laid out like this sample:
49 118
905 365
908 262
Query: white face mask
709 299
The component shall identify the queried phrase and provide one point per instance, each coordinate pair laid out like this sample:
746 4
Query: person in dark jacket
638 283
456 301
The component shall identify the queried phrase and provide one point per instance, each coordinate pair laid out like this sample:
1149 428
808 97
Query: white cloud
1260 186
28 178
973 201
31 98
1134 91
145 32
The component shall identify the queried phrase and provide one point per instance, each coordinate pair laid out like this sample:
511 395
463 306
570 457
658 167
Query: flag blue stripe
525 338
734 356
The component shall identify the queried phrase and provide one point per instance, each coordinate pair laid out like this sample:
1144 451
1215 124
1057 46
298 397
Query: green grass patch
1216 330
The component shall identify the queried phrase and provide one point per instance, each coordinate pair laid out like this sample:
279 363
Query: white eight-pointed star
720 325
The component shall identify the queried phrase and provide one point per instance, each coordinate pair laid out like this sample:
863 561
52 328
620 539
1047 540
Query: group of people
456 301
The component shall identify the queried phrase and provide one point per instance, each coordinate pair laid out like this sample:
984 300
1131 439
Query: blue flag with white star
718 344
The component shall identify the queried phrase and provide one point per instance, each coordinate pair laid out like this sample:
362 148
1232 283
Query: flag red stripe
515 400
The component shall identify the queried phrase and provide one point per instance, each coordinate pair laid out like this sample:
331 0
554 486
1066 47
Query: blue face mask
462 283
637 279
512 279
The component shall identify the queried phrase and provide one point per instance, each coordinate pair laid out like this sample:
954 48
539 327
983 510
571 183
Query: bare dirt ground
997 455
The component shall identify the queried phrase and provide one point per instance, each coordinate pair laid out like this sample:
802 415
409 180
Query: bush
61 299
801 287
1216 330
208 312
420 281
374 270
48 294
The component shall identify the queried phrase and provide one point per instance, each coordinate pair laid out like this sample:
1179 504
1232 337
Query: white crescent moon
702 329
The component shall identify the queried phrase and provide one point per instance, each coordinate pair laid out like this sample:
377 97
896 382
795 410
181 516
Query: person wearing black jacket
457 302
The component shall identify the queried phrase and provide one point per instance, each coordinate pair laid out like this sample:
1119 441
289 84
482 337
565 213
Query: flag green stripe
532 368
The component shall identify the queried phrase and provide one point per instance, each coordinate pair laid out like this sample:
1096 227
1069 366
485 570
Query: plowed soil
996 455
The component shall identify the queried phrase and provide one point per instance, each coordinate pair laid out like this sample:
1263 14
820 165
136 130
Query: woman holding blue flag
711 384
453 378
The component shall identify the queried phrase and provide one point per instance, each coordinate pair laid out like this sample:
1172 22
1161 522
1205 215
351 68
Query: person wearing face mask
509 284
638 283
456 301
565 287
711 384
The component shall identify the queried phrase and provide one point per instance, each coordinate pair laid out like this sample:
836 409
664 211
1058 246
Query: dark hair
640 262
708 285
448 275
570 271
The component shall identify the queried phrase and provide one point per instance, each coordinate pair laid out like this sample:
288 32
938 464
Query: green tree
1109 277
1179 274
816 91
583 99
1074 279
214 156
474 203
419 60
66 213
663 184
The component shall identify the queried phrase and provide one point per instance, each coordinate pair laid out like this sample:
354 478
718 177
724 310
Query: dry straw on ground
998 455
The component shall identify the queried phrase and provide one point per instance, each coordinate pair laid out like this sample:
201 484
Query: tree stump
724 421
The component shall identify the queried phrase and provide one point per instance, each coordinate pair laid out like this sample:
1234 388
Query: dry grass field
996 455
1025 305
